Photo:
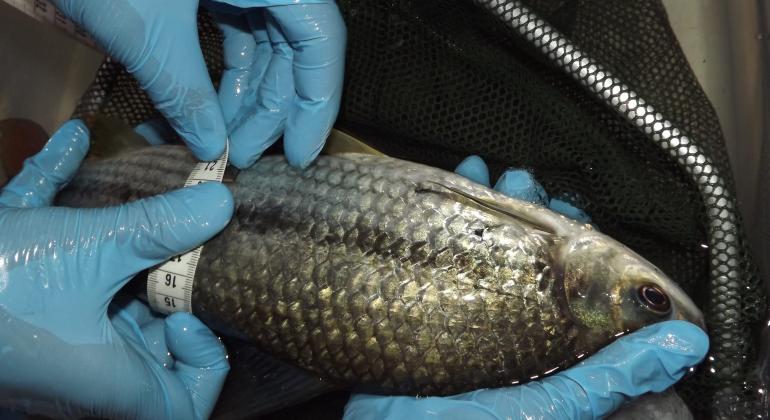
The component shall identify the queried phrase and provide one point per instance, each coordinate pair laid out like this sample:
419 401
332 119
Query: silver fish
388 276
667 405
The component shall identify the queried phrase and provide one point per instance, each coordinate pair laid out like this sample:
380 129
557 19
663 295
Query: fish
666 405
386 276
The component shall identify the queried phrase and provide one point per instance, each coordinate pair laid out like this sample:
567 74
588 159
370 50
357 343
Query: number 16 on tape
169 286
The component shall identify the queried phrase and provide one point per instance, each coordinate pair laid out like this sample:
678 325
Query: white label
169 286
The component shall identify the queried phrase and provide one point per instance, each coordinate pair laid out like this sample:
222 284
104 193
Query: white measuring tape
169 286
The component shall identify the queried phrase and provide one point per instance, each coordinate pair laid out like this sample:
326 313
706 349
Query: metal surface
44 71
725 42
45 11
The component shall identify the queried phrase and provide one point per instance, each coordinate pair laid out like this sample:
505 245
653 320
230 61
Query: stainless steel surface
762 189
43 71
724 43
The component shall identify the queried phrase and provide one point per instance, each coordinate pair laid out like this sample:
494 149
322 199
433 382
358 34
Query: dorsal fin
489 206
340 142
112 137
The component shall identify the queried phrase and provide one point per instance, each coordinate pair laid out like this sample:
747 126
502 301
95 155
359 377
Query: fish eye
654 299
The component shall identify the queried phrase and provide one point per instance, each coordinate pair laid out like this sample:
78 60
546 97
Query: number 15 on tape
169 286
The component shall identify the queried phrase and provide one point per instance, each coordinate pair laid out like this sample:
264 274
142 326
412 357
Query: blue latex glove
518 184
158 44
284 64
66 348
649 360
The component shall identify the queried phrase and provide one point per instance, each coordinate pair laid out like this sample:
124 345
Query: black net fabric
115 93
437 80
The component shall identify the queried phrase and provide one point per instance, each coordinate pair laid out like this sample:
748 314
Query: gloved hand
284 67
67 349
649 360
284 64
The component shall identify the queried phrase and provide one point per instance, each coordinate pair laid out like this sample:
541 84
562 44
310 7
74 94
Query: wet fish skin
393 277
667 405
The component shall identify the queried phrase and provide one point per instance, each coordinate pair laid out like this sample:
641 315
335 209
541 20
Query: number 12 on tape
169 286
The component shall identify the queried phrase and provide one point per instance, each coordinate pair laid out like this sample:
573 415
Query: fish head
610 290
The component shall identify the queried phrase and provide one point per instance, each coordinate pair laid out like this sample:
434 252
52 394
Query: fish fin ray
111 137
341 143
484 205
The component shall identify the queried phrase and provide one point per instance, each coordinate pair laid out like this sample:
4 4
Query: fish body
667 405
392 277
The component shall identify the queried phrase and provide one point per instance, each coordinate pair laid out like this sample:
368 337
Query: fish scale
365 272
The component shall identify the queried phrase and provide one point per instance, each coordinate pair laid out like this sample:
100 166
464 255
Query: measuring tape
169 286
45 11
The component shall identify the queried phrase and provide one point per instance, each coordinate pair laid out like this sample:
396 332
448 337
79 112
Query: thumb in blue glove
64 354
158 44
649 360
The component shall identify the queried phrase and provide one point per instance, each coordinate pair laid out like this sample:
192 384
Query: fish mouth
686 309
699 321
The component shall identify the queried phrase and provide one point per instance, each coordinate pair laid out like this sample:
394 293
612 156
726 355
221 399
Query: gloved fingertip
202 126
69 144
211 203
154 132
569 210
201 360
74 128
188 217
154 331
207 151
50 169
474 168
520 184
309 158
194 344
244 161
676 337
302 153
307 128
239 45
249 142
